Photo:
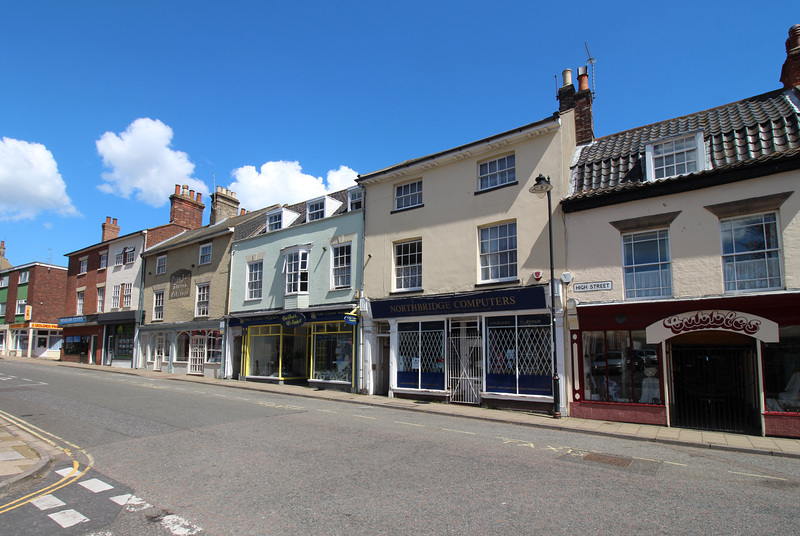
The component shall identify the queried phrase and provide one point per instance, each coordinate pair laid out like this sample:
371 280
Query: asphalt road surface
203 459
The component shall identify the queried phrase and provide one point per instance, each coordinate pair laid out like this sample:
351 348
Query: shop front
726 364
181 348
119 341
83 338
308 346
490 347
31 339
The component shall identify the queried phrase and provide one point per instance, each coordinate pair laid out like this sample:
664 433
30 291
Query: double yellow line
65 446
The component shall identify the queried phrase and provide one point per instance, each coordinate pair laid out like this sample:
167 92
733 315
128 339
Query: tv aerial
590 60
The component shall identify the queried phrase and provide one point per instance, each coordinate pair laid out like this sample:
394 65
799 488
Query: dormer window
274 221
676 156
355 199
316 209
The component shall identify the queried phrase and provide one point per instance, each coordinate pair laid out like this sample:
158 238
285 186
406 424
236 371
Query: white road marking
456 431
132 503
410 424
758 476
364 417
179 526
68 518
95 486
66 471
47 502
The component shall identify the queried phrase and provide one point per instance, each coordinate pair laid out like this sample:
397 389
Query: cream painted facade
448 225
594 246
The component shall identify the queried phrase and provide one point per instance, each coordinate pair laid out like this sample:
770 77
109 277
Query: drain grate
607 459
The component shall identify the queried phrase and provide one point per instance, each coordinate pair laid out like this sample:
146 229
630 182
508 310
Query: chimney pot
177 189
199 196
185 190
583 78
115 221
566 76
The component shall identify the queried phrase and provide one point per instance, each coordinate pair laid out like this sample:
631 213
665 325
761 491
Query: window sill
253 300
494 188
406 209
406 291
504 282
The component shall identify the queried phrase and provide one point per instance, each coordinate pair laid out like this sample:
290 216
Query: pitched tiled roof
734 134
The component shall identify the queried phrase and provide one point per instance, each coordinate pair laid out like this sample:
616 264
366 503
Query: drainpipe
140 311
360 327
227 365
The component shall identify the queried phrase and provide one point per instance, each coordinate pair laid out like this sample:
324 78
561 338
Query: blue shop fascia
472 347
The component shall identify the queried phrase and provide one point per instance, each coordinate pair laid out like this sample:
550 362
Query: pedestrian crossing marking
68 518
95 486
47 502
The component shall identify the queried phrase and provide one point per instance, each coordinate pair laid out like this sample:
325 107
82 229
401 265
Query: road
235 462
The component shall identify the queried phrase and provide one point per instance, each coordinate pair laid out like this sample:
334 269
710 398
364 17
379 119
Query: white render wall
125 273
594 246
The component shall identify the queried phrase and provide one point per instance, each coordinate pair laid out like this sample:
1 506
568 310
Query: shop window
498 252
54 341
124 342
20 338
264 344
421 355
619 366
158 305
782 372
214 347
519 359
255 277
202 299
182 347
408 265
408 195
751 252
496 172
341 266
646 264
161 264
333 351
2 340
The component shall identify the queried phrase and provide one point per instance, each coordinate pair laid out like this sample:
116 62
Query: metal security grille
465 361
535 356
715 388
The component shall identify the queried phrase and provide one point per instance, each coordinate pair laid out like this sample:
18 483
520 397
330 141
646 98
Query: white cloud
285 183
142 163
30 182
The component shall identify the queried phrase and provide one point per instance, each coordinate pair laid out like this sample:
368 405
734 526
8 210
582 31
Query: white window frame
161 264
127 291
255 280
158 305
408 195
130 255
115 296
275 221
119 258
315 210
103 261
3 281
2 311
355 199
21 304
774 281
81 297
341 266
84 266
664 149
101 298
205 255
408 264
202 299
497 172
630 264
24 277
497 252
295 266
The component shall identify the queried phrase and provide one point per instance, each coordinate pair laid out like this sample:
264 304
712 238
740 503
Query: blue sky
105 106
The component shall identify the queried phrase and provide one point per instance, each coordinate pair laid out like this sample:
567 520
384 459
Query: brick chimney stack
110 229
580 101
186 210
224 205
790 74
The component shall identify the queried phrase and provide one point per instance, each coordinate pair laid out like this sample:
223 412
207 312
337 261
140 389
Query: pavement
24 456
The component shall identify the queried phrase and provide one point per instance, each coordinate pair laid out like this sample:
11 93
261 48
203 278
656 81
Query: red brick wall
616 412
90 279
156 235
46 288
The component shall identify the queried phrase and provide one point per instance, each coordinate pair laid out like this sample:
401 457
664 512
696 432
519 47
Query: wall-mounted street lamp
540 188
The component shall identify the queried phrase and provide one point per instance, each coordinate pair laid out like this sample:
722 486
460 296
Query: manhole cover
607 459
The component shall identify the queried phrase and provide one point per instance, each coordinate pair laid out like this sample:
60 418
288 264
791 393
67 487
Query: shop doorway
197 354
715 388
465 360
